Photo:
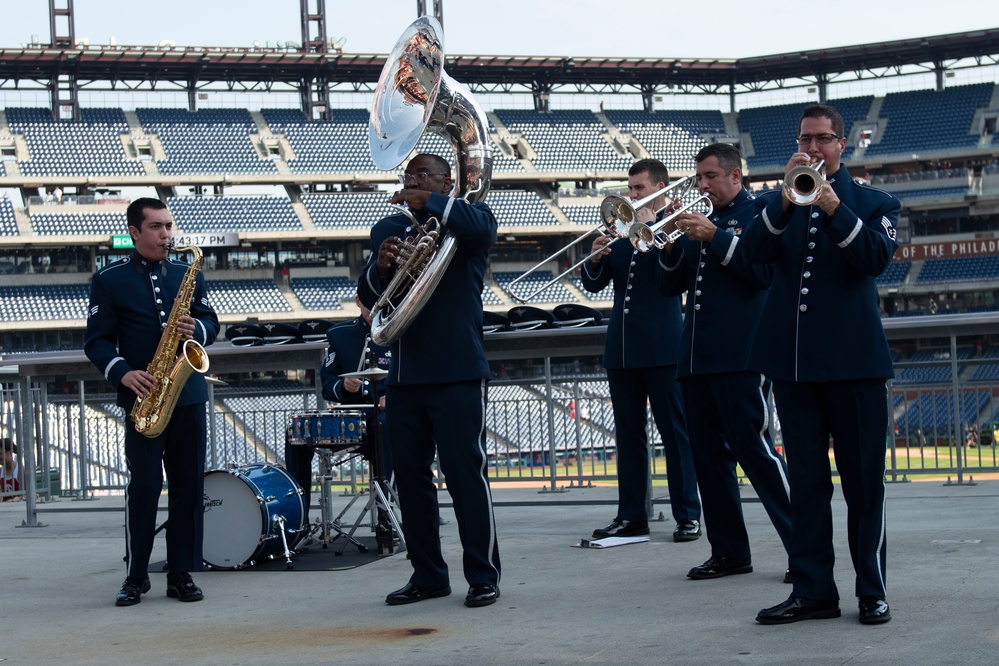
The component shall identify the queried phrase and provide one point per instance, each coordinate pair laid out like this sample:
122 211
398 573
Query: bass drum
247 510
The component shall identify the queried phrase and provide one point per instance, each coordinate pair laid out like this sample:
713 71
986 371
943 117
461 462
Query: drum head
234 520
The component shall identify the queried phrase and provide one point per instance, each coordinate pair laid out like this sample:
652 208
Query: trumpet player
728 417
130 304
822 342
640 358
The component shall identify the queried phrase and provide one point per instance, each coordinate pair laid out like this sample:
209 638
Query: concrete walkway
560 605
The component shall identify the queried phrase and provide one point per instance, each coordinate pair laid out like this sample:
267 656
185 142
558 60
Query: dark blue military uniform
130 302
346 343
822 342
640 358
728 418
436 396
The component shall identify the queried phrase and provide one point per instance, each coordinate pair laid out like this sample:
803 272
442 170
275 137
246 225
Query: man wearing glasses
822 342
436 389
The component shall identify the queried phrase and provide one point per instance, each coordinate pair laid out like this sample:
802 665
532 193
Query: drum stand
329 528
385 522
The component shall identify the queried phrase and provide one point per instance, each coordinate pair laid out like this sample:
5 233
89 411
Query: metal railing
555 430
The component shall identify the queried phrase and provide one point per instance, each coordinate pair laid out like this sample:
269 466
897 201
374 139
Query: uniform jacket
725 293
821 320
444 343
130 302
644 325
345 345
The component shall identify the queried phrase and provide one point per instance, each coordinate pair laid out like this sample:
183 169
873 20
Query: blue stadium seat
91 146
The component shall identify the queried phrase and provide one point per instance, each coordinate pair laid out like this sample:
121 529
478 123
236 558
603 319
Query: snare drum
335 428
243 512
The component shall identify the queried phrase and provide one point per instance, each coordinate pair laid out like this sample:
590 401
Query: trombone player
822 343
640 358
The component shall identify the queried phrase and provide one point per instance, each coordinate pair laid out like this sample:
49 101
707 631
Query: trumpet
617 219
803 183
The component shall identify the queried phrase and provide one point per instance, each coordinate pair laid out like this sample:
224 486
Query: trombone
617 218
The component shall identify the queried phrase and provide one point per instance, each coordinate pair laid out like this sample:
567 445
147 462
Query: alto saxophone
174 361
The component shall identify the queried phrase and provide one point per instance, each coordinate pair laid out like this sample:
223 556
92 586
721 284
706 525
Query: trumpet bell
642 237
803 183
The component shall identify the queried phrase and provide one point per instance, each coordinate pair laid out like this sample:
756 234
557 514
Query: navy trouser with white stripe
729 423
631 390
855 414
181 450
448 418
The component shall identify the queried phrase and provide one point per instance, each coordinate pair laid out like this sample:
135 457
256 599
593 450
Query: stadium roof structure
196 68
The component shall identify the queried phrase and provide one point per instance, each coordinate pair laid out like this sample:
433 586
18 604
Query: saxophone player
131 308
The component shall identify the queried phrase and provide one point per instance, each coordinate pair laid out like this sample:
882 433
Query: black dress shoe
481 594
623 528
413 593
874 610
131 591
687 530
716 567
181 586
796 608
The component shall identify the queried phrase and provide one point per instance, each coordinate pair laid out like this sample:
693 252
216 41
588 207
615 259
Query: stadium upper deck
935 149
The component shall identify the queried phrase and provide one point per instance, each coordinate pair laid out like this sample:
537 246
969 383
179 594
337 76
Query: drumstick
364 352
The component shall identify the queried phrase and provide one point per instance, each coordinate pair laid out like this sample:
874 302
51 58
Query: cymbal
376 374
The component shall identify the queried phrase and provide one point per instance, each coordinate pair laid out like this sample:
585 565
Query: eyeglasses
821 139
420 176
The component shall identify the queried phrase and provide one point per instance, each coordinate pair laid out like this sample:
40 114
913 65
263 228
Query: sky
579 28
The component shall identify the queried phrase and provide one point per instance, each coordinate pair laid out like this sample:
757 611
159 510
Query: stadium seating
960 269
907 196
604 295
339 145
894 275
940 374
773 128
987 372
219 214
556 293
565 140
438 145
43 302
208 141
246 296
673 137
929 120
588 216
57 224
933 413
519 209
88 147
8 221
347 211
324 293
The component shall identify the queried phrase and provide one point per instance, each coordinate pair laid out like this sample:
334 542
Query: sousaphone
415 96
